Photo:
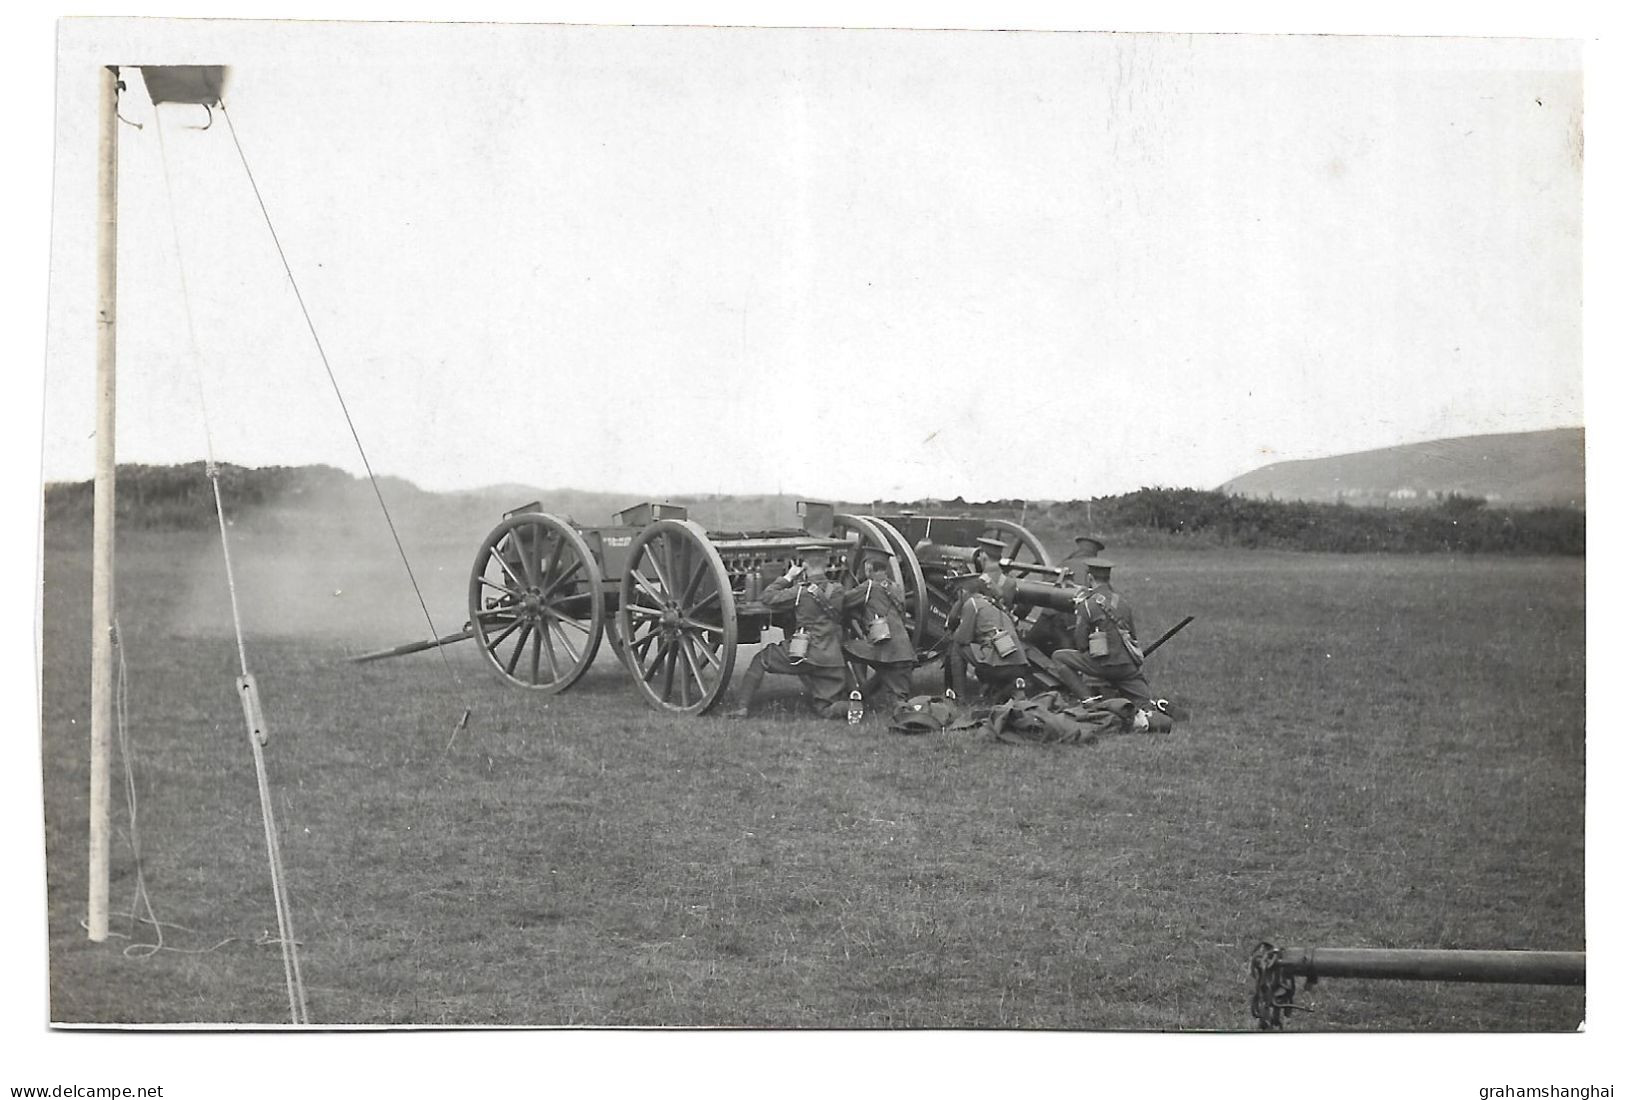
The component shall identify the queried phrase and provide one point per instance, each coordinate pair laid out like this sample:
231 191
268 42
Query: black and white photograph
807 531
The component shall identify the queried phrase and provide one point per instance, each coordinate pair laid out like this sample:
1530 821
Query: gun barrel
1057 597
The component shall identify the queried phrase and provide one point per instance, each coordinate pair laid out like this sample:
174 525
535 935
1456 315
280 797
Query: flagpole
101 579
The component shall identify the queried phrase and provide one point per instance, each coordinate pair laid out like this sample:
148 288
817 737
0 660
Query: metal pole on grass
101 577
1515 967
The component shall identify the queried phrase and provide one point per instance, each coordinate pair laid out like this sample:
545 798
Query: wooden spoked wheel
1020 544
913 578
677 622
869 534
536 602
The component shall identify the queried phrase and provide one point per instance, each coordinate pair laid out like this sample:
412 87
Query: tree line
181 498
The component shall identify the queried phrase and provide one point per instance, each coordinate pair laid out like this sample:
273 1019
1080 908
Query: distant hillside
1522 470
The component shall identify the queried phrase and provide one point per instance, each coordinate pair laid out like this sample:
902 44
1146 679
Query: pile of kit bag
1050 718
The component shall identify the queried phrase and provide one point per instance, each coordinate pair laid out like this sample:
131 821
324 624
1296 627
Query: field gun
933 549
673 599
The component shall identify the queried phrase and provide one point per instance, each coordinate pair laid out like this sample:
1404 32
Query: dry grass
1384 751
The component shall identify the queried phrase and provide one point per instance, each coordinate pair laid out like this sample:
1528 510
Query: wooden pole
101 580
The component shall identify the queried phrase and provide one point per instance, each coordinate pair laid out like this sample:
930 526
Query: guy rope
199 85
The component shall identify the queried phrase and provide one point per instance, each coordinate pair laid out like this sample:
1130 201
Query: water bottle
854 708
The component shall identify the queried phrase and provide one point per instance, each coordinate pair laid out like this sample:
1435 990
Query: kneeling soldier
883 643
1107 659
813 652
986 640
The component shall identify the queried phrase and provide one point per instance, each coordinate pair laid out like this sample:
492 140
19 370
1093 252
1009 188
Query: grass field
1383 751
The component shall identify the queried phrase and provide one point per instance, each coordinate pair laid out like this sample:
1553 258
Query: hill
1521 470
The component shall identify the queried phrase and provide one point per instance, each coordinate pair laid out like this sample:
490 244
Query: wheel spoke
545 638
659 655
670 662
700 625
518 649
707 602
518 539
563 619
706 651
681 672
650 552
536 658
575 654
642 644
494 642
648 589
496 555
553 561
514 592
693 667
646 612
553 585
699 574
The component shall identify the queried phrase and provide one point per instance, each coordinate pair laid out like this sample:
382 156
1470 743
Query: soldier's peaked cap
1089 544
990 542
967 580
877 551
1097 564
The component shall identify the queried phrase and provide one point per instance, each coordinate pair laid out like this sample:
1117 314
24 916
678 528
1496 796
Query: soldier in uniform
818 600
985 640
885 648
1088 546
1052 629
989 561
1107 659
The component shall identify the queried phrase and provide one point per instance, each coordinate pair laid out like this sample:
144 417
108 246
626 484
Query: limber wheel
536 602
913 577
677 620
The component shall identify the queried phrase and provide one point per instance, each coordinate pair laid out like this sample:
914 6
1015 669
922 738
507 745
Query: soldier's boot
748 687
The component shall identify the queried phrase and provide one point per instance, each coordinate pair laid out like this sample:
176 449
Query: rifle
1166 634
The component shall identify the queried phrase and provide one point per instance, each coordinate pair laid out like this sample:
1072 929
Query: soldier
1107 659
818 602
1052 629
989 561
1088 546
877 599
984 639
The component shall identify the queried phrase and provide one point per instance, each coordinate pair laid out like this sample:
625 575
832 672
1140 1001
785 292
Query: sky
847 263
